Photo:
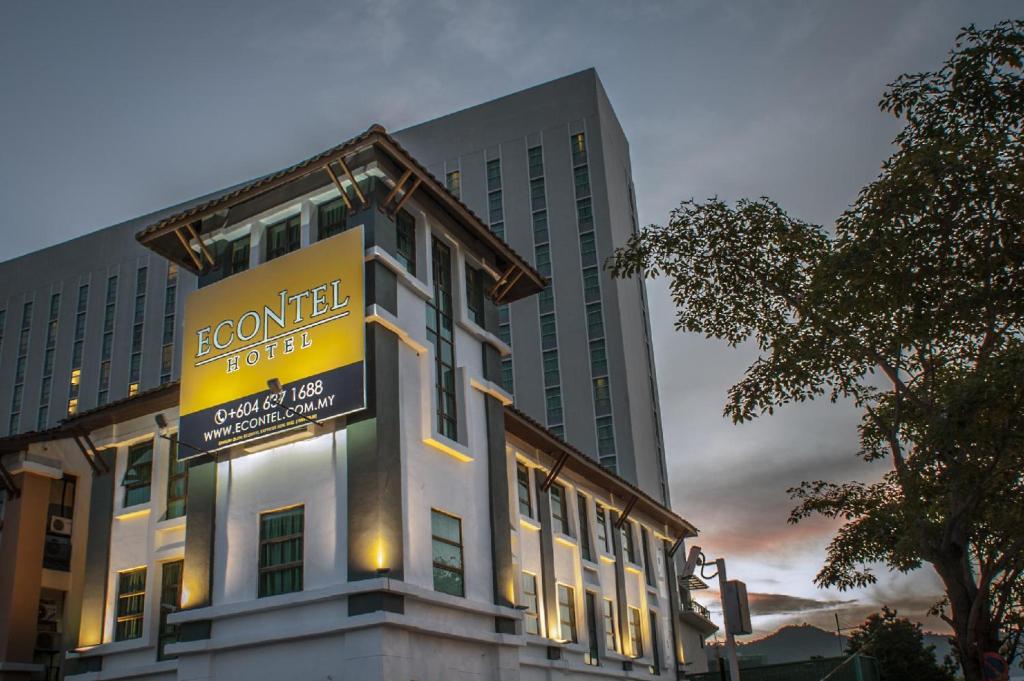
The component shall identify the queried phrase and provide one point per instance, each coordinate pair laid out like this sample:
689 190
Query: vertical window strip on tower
495 206
107 345
441 334
591 274
138 326
20 367
76 349
546 299
46 385
170 303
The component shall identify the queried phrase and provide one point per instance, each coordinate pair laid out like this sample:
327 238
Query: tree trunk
970 645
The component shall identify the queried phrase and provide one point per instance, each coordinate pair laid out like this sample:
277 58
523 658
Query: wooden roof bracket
493 291
95 451
7 480
352 179
88 457
498 293
337 183
396 188
555 470
188 249
625 512
405 197
202 246
675 546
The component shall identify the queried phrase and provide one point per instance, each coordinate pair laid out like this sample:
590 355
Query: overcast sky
109 110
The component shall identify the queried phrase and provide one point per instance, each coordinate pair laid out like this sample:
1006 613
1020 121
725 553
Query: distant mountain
794 643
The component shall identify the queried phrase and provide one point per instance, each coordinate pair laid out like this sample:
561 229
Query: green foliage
898 645
912 309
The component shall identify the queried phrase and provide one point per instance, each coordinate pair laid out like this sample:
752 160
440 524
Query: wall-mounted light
161 426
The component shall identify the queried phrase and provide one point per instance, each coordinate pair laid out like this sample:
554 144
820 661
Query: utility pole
730 640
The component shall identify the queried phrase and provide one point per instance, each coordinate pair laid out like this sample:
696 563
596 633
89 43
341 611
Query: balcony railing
690 605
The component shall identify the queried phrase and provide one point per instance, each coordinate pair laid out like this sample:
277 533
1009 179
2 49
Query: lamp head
275 386
161 421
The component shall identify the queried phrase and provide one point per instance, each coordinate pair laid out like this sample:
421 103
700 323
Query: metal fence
859 669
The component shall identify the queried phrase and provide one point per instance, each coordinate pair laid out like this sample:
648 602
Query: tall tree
898 645
911 307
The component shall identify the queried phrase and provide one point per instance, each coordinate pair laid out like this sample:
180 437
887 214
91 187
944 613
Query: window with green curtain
602 396
441 334
601 528
281 551
531 616
581 178
494 174
523 487
588 249
605 436
540 227
475 295
446 540
559 509
177 482
595 321
550 358
238 255
138 473
131 604
598 358
405 226
553 404
585 215
611 641
538 198
331 218
579 149
628 545
586 550
548 331
170 602
636 635
535 157
281 238
567 612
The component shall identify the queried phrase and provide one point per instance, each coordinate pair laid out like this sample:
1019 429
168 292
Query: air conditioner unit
47 641
60 525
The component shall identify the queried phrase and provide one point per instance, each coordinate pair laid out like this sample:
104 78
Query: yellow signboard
298 318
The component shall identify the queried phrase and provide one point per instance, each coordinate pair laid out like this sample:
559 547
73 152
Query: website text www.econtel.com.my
255 417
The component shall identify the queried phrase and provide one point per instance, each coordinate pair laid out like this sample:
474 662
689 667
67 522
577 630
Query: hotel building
430 528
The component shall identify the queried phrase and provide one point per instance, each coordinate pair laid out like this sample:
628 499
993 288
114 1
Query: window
655 667
648 567
591 284
177 482
170 602
330 218
550 367
579 149
636 636
281 238
595 321
543 257
441 335
535 158
628 545
553 405
531 616
605 436
494 174
567 613
523 487
559 511
546 300
602 396
598 358
131 604
107 346
540 227
581 178
507 378
538 199
602 528
494 208
57 545
453 181
548 331
19 370
611 640
584 215
281 550
588 249
447 546
586 550
238 255
475 295
591 657
405 225
138 473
